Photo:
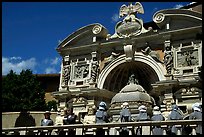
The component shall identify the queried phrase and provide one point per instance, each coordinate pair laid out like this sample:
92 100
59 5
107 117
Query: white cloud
55 61
52 61
115 17
15 58
50 70
178 6
17 66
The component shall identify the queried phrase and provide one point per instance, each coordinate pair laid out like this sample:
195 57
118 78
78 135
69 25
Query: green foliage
52 104
22 92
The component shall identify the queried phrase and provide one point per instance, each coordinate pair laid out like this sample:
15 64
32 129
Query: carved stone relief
187 58
168 57
66 71
94 71
131 25
81 71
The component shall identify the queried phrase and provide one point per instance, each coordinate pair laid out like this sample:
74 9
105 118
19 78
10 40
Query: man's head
47 114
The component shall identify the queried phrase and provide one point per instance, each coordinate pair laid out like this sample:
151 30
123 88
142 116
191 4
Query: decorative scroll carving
81 71
128 49
188 91
77 100
158 18
97 29
168 57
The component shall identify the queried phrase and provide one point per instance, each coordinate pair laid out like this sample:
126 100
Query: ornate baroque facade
164 55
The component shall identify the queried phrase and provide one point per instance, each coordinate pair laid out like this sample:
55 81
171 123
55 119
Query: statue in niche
66 74
94 71
153 54
168 58
66 71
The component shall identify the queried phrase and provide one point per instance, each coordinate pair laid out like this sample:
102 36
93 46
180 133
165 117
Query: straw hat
47 112
125 104
156 110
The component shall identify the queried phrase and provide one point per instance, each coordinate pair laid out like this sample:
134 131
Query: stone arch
141 63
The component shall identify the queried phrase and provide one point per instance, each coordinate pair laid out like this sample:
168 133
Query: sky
31 31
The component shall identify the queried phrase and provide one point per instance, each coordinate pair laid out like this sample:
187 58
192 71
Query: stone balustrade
111 128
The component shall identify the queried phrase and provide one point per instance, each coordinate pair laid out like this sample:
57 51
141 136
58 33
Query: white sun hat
142 108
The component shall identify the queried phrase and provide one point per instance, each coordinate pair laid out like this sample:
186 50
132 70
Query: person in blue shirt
197 114
157 116
125 116
101 116
47 121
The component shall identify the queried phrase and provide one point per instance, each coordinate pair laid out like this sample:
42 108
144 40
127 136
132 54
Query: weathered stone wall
10 119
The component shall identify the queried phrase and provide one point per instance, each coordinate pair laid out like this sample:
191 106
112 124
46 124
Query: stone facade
165 55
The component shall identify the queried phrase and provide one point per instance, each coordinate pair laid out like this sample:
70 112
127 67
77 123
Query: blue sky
31 30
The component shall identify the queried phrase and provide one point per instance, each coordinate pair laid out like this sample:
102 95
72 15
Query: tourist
59 121
70 118
47 121
142 117
157 116
59 118
197 114
125 116
101 117
175 114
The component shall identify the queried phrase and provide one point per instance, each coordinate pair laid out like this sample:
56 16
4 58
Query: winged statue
127 10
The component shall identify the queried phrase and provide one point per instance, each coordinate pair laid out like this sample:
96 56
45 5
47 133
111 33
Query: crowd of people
101 116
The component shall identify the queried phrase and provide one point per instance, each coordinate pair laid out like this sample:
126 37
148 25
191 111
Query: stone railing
111 128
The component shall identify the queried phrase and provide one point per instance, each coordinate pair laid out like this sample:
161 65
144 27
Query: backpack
100 115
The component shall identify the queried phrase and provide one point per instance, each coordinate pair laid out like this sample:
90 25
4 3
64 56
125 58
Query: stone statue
94 71
133 80
153 54
65 75
168 58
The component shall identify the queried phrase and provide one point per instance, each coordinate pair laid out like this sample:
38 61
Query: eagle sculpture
131 9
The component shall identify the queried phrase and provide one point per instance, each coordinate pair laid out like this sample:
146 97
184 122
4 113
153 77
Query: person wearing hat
197 114
142 117
157 116
125 116
47 121
101 116
175 114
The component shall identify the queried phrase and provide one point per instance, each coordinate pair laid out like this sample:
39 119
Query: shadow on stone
25 120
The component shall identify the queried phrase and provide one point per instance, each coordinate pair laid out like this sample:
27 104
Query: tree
22 92
52 105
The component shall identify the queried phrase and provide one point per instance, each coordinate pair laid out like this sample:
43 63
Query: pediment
83 36
177 18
